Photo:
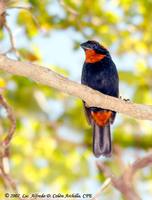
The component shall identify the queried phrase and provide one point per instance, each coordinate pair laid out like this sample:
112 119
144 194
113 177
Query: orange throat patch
101 118
92 56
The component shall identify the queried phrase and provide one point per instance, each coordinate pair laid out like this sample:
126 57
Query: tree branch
124 183
5 147
141 163
12 120
50 78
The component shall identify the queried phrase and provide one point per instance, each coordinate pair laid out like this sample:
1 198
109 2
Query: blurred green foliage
55 153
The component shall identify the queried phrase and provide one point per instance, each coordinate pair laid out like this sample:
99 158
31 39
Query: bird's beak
84 46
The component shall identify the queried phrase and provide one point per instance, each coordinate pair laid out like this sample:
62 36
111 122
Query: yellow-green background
51 150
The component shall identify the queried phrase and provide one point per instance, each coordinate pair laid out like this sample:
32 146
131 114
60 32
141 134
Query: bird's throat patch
101 118
92 56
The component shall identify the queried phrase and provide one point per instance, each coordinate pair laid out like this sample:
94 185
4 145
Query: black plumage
100 74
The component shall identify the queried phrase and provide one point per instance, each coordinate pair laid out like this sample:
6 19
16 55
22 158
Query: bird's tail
101 140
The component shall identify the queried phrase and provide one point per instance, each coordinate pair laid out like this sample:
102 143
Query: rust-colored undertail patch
101 118
92 56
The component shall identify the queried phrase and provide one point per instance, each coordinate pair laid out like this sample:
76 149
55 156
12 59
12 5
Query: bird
100 73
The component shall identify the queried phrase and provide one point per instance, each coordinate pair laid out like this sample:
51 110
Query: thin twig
3 23
12 42
5 146
102 188
28 10
10 36
12 119
20 7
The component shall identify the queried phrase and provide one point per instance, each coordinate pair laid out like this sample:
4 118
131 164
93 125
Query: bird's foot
126 100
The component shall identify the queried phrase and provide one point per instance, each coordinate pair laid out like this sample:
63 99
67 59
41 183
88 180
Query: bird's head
96 46
94 51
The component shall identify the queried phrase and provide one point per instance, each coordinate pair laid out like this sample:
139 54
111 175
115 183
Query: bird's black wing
87 113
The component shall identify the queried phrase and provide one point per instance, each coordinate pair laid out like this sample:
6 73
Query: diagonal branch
102 188
141 163
124 183
50 78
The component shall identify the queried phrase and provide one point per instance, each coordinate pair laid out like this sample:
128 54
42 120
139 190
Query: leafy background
51 149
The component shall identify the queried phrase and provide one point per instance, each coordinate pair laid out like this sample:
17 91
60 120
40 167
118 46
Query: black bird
100 73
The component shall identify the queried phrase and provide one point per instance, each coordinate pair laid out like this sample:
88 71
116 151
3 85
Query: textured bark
50 78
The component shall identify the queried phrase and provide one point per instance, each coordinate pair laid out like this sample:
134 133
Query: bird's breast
101 76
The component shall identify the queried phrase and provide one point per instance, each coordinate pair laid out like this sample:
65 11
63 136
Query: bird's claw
126 100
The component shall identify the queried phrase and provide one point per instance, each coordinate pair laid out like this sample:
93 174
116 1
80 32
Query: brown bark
50 78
